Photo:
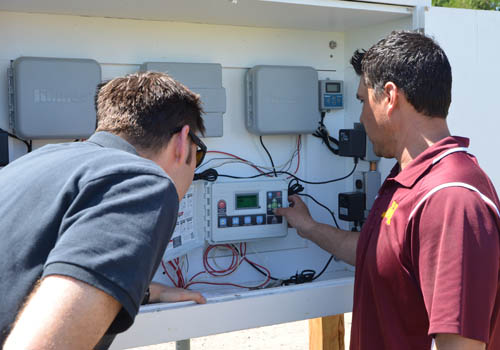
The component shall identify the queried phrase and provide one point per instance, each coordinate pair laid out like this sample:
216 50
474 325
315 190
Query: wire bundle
262 169
238 256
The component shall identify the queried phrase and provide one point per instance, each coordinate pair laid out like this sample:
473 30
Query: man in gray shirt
85 224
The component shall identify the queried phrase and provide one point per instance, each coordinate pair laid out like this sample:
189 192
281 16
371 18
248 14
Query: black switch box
4 148
352 206
352 143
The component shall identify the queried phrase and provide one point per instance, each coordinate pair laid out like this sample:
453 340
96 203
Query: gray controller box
53 98
282 100
204 79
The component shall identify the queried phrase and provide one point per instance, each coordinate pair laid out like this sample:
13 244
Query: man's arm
457 342
340 243
63 313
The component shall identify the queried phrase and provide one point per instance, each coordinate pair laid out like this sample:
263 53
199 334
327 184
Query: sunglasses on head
201 151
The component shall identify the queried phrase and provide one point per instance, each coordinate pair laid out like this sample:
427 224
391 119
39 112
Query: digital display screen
333 87
247 201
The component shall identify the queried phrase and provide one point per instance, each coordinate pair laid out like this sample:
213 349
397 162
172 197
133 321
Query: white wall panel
471 41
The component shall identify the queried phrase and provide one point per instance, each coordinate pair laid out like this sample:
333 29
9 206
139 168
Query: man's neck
418 134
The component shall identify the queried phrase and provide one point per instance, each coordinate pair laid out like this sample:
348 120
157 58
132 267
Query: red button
221 204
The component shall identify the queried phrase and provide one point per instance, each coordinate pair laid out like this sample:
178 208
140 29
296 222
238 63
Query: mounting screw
332 44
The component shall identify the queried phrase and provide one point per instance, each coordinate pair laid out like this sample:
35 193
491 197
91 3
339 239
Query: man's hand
298 216
160 293
335 241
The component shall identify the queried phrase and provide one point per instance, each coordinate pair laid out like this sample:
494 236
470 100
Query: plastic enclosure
243 211
204 79
282 100
331 95
53 98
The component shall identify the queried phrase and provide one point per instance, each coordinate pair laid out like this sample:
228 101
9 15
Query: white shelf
322 15
163 323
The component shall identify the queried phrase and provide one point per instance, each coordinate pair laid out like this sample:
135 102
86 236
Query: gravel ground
286 336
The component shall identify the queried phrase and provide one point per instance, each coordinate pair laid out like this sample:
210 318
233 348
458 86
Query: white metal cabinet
238 36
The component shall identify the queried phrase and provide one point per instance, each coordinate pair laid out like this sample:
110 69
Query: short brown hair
145 107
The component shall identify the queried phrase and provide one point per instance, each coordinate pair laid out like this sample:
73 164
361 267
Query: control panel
331 94
243 211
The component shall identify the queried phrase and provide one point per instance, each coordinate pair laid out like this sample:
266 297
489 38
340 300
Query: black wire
207 175
29 144
296 188
253 265
259 270
322 133
321 205
295 177
324 268
269 155
336 224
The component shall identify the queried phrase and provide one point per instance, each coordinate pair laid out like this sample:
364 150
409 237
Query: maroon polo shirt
427 260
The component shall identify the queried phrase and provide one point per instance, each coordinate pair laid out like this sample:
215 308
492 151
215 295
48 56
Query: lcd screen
247 201
333 87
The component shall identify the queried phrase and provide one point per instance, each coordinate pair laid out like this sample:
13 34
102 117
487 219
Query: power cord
207 175
269 155
322 133
29 144
295 177
294 187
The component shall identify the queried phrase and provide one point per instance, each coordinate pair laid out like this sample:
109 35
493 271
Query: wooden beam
327 333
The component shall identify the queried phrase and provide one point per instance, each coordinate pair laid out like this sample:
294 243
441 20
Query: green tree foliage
469 4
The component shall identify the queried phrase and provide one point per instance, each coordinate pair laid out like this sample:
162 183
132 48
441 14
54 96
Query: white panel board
471 41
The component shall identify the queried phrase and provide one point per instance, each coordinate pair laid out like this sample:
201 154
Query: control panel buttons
247 220
222 222
236 221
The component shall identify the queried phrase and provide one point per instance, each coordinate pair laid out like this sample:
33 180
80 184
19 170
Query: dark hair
145 108
415 63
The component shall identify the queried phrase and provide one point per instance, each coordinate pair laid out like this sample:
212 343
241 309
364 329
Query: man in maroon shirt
427 258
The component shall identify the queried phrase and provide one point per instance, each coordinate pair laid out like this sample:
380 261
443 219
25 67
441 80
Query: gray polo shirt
95 211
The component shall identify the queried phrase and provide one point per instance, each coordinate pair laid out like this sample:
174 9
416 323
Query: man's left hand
160 293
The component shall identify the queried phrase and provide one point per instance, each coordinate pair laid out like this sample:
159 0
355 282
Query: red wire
224 272
235 156
166 273
299 142
179 272
233 266
180 279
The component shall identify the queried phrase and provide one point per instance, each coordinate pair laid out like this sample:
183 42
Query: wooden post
327 333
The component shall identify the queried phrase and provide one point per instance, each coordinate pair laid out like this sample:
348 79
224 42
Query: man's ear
181 143
391 94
